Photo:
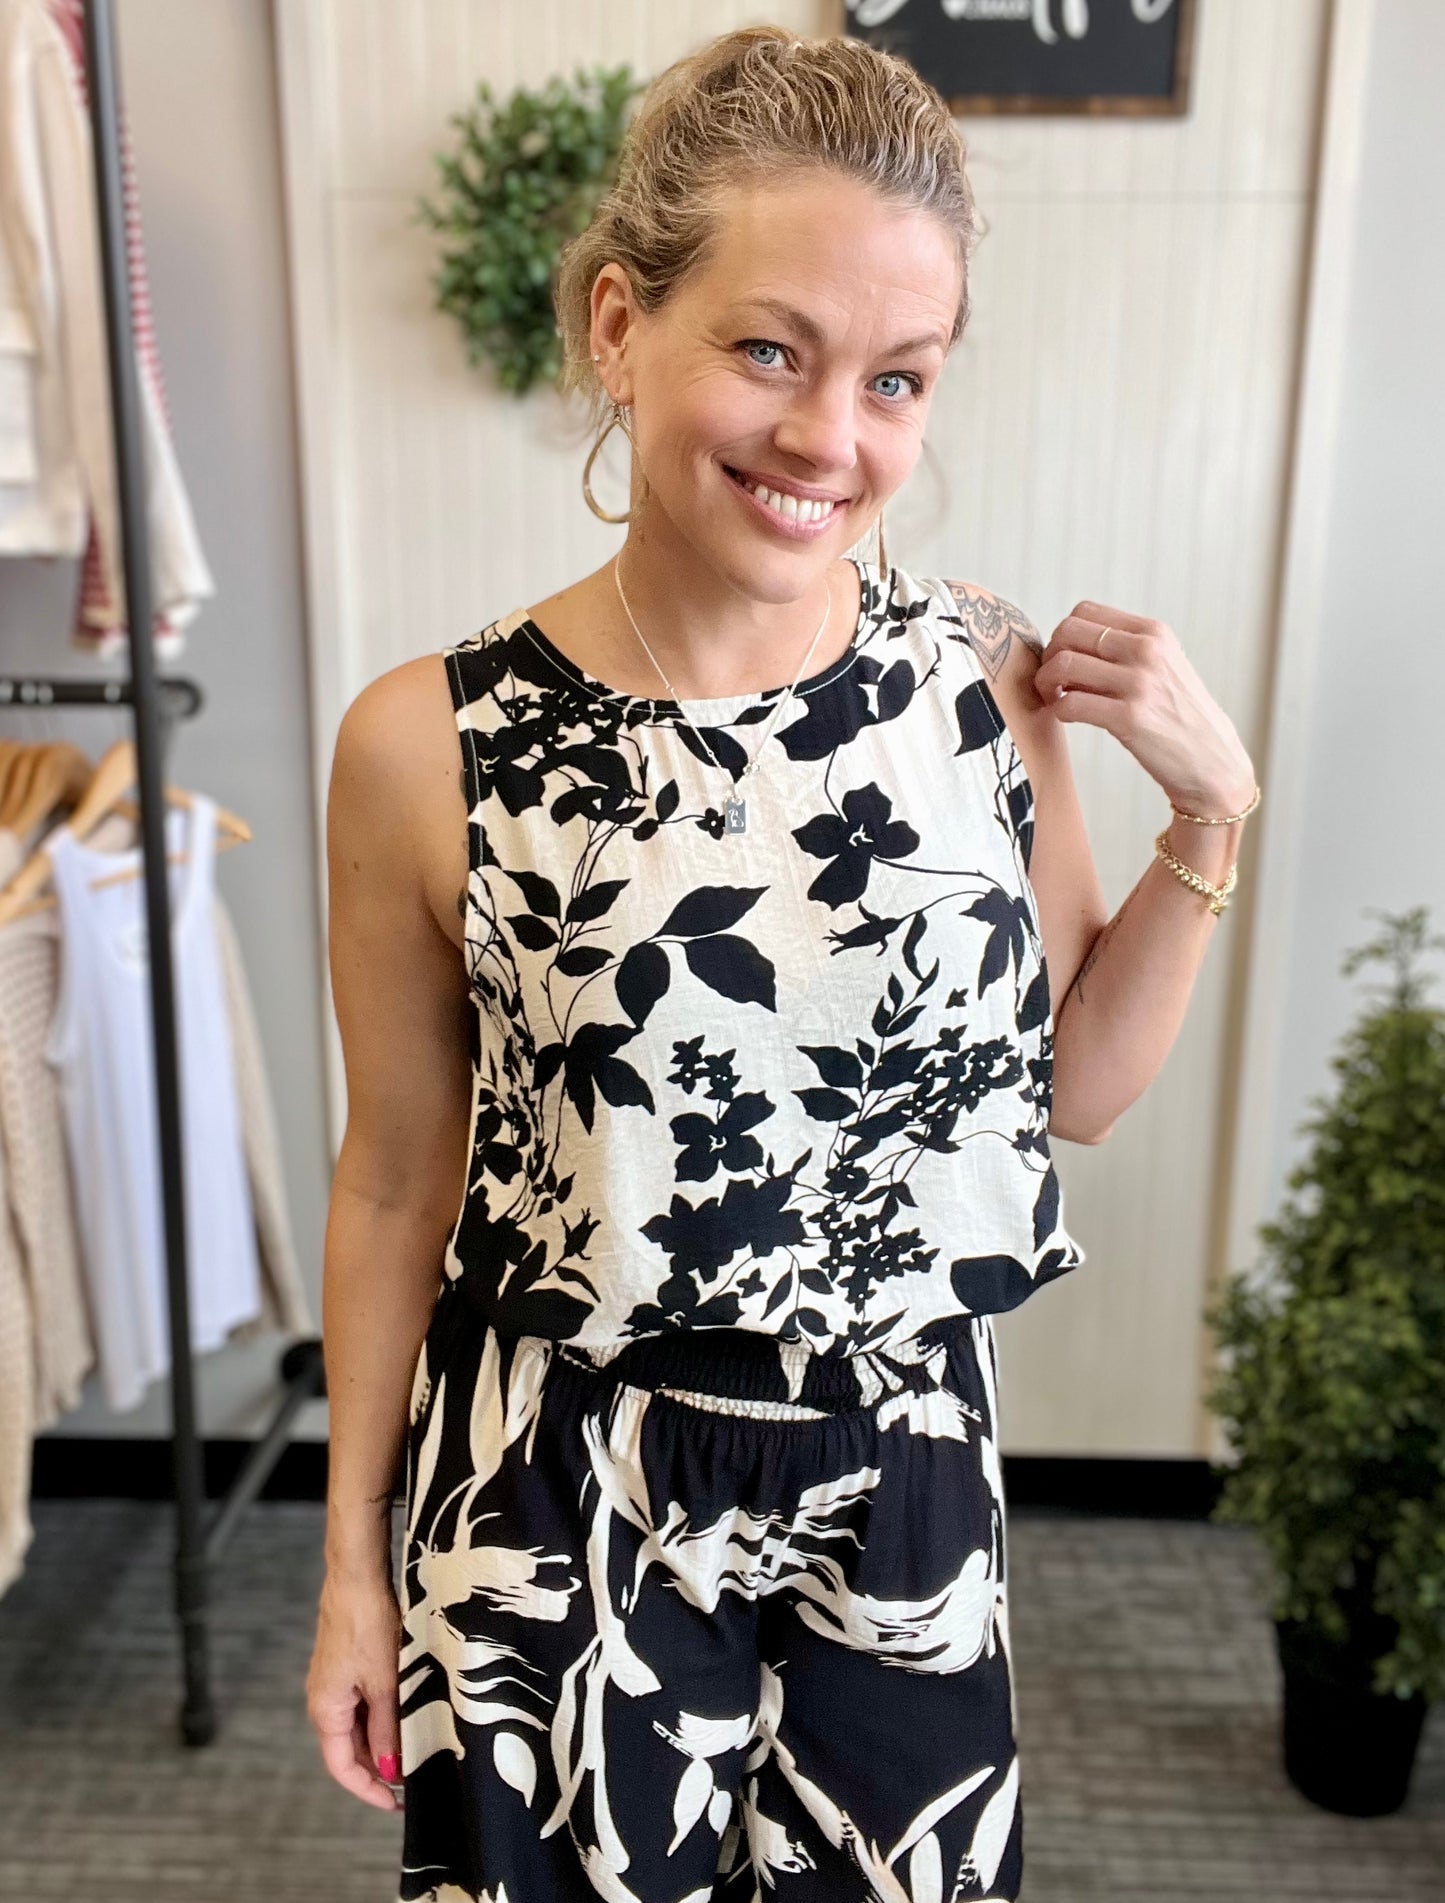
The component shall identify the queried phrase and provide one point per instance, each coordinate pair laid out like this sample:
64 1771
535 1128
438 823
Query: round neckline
724 707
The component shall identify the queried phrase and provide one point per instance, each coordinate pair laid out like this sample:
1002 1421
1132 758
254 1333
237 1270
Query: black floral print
680 1630
794 1080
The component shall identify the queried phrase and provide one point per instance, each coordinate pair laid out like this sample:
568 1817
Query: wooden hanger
12 756
112 779
58 774
21 773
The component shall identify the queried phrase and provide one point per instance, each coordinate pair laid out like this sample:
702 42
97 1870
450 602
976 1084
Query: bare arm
1120 985
400 990
1124 1010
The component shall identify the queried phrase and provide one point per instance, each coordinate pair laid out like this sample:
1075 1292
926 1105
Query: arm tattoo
1092 959
991 625
1097 947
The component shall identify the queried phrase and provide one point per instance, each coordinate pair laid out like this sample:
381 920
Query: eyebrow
806 328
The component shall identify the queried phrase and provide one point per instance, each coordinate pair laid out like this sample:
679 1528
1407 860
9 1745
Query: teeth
789 506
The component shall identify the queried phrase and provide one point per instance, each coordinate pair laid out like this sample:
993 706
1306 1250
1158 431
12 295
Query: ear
612 310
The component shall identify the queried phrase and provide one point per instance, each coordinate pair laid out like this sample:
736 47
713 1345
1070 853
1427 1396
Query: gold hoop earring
591 500
617 415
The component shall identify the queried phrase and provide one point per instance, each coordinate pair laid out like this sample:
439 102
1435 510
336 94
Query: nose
818 427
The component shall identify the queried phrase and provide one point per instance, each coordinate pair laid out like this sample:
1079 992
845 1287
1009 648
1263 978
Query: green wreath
525 178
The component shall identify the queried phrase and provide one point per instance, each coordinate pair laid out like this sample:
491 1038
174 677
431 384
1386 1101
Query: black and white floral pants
718 1620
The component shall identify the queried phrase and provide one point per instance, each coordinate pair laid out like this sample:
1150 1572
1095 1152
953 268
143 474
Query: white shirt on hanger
101 1044
57 462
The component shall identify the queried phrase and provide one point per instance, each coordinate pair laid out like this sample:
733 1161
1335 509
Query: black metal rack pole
191 1572
155 703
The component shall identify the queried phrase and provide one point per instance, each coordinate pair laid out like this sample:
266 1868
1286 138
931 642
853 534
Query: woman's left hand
1142 689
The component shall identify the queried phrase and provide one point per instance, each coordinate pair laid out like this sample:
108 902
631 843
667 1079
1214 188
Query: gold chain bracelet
1217 895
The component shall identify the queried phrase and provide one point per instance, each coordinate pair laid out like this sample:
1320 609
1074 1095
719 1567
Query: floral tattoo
991 625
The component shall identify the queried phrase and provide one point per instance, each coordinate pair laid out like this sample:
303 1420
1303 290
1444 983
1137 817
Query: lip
792 530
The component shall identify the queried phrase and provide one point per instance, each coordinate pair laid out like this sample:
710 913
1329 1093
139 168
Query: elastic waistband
745 1365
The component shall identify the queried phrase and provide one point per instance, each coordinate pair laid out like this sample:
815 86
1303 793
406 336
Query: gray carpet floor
1149 1720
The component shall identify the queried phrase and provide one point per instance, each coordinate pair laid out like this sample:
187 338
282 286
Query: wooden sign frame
1105 105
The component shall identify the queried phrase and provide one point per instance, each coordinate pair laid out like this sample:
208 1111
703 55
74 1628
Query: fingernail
389 1765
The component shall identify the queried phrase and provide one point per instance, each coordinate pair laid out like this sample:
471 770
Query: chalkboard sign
1099 56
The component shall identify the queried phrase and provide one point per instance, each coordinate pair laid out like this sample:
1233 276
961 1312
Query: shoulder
1009 649
397 786
400 730
1001 635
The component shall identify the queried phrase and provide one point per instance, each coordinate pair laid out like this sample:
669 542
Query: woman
721 991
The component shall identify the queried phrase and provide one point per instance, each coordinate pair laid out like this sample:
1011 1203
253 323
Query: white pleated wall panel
1114 424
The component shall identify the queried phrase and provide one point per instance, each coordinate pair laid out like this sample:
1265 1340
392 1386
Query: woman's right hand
351 1687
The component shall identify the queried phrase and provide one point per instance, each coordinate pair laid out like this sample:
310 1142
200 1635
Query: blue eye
915 383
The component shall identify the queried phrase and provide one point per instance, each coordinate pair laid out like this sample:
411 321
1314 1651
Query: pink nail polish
389 1765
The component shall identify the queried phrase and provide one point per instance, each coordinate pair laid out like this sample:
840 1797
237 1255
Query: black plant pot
1347 1747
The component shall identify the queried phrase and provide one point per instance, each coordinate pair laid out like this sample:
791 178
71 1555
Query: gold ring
1099 644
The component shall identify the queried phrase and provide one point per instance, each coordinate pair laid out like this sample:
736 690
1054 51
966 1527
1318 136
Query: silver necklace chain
735 812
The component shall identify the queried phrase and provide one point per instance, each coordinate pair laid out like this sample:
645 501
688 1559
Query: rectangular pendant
735 816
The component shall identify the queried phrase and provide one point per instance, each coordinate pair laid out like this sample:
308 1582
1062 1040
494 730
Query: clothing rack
179 698
201 1536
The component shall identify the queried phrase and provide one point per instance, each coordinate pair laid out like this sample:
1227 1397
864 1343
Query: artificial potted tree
1332 1391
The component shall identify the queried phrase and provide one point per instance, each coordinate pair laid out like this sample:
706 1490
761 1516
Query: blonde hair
757 106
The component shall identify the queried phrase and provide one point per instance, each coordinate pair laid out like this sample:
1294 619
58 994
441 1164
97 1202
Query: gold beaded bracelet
1227 820
1217 895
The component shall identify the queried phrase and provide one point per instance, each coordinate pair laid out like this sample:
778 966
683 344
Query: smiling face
802 356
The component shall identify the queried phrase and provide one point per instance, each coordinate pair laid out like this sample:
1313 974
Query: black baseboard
1136 1487
70 1467
97 1467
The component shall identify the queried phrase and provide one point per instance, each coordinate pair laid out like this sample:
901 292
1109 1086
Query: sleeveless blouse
794 1079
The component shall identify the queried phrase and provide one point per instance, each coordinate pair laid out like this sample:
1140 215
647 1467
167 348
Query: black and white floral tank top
794 1079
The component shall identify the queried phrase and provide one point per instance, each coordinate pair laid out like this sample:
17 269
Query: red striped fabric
100 627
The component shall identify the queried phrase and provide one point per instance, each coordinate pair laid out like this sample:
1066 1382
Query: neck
710 638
